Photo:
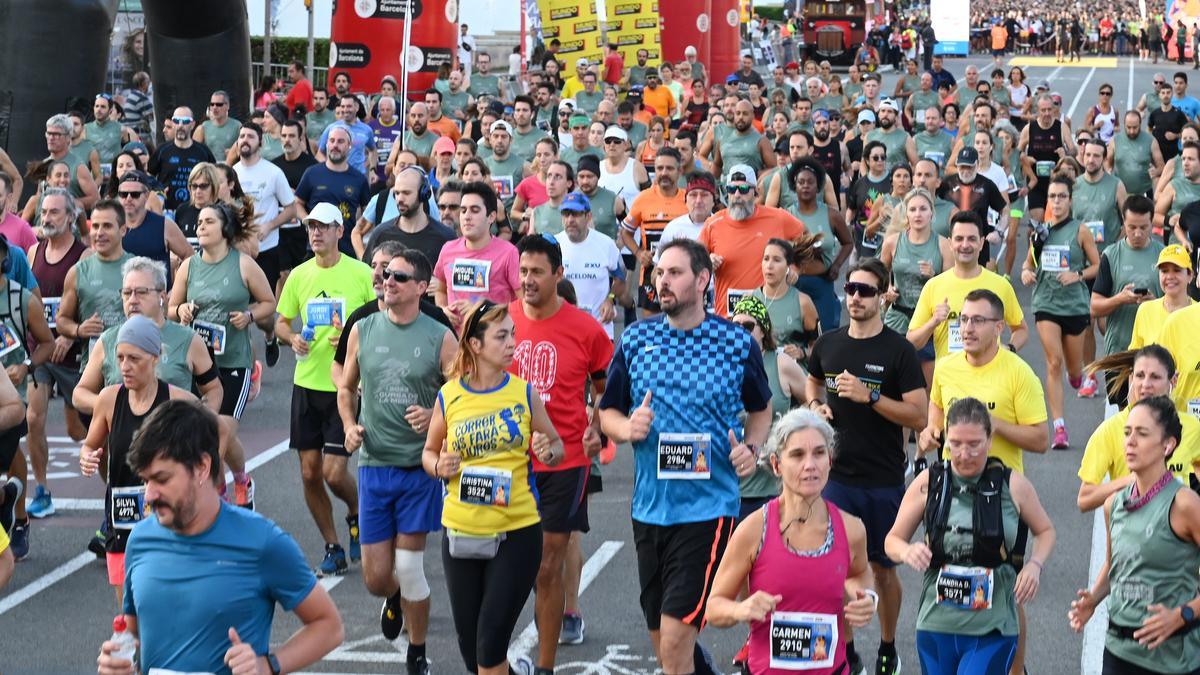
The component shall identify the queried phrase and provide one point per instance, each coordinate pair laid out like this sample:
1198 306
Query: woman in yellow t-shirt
1150 371
484 426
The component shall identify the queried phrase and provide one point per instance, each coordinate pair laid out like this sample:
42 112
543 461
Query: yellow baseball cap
1176 255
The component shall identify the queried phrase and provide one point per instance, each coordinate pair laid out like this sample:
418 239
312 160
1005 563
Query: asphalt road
58 607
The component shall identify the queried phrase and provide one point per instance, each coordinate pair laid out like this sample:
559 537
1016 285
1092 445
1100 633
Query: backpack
987 521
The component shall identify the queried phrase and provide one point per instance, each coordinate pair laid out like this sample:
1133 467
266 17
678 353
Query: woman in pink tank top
800 556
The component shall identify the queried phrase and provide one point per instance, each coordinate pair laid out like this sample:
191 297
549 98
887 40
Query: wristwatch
1188 614
874 397
273 664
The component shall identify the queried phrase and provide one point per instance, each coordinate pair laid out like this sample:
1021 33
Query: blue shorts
948 654
395 501
876 507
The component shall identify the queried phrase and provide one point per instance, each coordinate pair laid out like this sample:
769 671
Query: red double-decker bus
833 29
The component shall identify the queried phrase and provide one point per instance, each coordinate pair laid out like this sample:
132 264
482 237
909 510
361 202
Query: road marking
46 581
330 583
344 653
1047 61
1079 94
591 569
1129 101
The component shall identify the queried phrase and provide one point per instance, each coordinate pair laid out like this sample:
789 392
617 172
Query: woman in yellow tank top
484 427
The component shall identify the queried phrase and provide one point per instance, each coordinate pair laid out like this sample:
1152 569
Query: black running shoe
391 619
272 351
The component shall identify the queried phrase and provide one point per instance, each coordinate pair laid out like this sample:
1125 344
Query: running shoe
96 544
856 665
243 494
272 351
255 382
418 666
334 563
1088 390
887 665
10 493
41 506
1061 442
522 666
355 548
20 540
391 619
742 658
572 630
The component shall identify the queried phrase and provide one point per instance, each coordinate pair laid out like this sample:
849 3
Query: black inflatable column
53 56
197 48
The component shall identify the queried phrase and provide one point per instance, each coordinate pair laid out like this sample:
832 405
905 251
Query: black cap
968 156
588 163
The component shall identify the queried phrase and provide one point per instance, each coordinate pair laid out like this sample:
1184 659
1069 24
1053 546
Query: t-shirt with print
590 266
741 244
348 190
267 184
473 275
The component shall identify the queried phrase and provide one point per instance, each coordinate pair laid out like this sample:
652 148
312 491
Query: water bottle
308 334
126 646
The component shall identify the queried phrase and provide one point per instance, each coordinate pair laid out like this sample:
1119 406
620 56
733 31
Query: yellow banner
577 28
634 25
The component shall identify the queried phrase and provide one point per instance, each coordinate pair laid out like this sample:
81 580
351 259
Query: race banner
576 26
634 25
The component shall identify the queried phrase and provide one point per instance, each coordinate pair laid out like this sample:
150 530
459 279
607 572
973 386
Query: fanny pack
465 546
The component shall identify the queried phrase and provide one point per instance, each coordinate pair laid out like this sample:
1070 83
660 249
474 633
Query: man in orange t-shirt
649 213
439 123
737 236
657 97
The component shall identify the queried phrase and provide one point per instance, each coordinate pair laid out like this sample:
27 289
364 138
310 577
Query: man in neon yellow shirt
1178 335
1174 277
937 311
995 375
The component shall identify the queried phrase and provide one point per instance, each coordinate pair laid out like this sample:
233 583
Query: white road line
1079 94
46 581
330 583
1129 101
591 569
345 653
1091 660
262 458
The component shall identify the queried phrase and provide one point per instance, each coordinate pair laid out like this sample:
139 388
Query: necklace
1136 501
769 299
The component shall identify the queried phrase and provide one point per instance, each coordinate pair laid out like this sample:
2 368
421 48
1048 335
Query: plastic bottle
308 334
126 645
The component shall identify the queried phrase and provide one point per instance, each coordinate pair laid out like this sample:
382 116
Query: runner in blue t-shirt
693 374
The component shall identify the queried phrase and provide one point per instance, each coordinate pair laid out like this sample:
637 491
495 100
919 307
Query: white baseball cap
325 213
615 131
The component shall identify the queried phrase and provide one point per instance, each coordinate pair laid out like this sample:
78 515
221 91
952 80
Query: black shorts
293 247
875 506
1071 325
595 482
10 444
562 499
751 504
316 424
235 391
648 298
268 261
676 567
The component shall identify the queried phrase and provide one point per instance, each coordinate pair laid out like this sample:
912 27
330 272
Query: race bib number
504 187
802 641
194 242
325 312
50 307
1097 229
954 340
873 242
128 506
213 335
733 296
1012 182
471 276
968 588
938 158
1043 169
920 117
1194 407
484 486
684 456
1056 258
164 671
9 340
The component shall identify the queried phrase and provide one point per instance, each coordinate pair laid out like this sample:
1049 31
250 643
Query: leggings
1115 665
487 596
829 308
949 654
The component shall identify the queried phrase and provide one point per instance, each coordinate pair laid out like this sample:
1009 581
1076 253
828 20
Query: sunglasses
398 277
739 189
182 121
877 158
860 289
612 141
200 186
131 194
317 225
1106 93
748 325
448 207
216 104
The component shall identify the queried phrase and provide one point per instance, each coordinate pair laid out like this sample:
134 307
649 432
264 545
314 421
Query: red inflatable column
367 41
725 52
683 24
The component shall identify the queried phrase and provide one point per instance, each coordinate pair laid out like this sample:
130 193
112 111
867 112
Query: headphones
229 221
425 192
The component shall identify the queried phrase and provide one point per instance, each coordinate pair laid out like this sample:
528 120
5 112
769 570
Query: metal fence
279 72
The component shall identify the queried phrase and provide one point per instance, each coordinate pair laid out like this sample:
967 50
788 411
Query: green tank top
912 83
604 216
763 483
525 145
816 223
739 148
219 138
1095 205
218 289
107 138
799 126
934 146
547 219
172 366
1129 266
1002 99
74 161
587 103
317 122
399 366
272 147
83 150
13 308
1150 565
787 316
1061 253
829 102
455 101
512 169
571 156
853 90
787 194
1186 191
922 101
895 141
1002 615
907 277
941 216
98 286
422 145
1131 161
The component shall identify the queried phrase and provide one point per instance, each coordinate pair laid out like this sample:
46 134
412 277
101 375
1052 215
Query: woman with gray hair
801 557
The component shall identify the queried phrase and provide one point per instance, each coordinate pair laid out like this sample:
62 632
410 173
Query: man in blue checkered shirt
693 374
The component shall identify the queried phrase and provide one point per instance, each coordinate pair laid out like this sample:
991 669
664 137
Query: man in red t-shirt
737 236
614 64
560 350
302 91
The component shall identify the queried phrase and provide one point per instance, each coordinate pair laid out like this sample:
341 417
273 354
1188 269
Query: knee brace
410 570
